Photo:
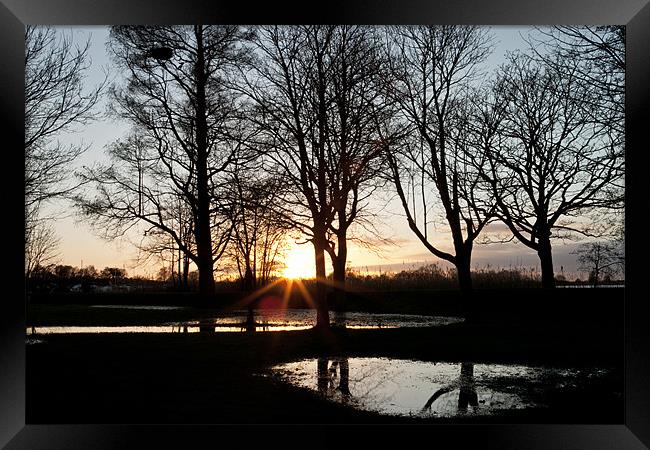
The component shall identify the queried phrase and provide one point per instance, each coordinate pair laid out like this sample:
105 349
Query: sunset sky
81 245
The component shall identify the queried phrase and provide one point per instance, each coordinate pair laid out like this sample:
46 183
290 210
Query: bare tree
157 243
56 102
259 232
596 55
135 192
186 127
600 260
113 274
354 146
315 96
600 53
548 163
432 68
42 248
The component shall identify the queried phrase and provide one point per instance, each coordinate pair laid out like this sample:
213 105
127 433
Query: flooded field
260 320
140 307
428 389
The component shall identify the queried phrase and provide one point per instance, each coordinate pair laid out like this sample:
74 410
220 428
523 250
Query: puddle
427 389
261 320
31 340
192 328
109 329
354 320
140 307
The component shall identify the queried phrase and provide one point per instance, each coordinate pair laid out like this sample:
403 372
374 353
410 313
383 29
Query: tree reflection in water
334 377
206 327
339 318
467 394
467 390
402 387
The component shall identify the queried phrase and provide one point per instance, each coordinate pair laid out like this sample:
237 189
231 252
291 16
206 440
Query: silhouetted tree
596 55
185 127
547 163
41 275
600 52
259 232
164 274
113 274
88 272
64 272
159 244
431 71
600 260
56 101
42 247
315 96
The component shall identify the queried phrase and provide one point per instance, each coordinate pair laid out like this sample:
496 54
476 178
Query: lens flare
299 262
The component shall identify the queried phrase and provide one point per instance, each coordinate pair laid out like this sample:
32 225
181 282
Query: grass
215 378
567 305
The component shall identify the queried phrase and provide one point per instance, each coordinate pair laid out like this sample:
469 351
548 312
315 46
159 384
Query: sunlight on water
301 317
153 329
427 389
264 320
115 329
139 307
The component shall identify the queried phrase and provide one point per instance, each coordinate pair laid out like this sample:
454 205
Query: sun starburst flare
299 263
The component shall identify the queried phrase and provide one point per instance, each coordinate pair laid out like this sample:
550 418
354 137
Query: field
219 377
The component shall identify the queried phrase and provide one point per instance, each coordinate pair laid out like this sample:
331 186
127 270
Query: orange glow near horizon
299 263
273 301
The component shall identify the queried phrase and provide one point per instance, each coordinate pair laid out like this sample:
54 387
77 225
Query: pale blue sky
79 242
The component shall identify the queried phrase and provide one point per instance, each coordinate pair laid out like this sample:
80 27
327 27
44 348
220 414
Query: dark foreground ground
215 378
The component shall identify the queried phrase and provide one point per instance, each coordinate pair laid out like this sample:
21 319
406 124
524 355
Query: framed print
346 223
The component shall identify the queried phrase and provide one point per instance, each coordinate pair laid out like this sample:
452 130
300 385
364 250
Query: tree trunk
467 395
344 371
248 282
322 375
463 269
186 273
464 273
338 276
203 235
546 261
320 297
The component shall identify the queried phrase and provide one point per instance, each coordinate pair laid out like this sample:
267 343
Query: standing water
262 320
429 389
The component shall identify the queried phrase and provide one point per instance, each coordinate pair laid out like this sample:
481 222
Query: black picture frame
634 433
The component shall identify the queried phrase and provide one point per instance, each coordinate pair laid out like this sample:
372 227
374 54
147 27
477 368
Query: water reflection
262 320
175 328
140 307
466 385
467 392
31 340
206 327
334 377
338 319
427 389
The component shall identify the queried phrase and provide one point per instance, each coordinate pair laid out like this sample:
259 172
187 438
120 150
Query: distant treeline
65 278
433 276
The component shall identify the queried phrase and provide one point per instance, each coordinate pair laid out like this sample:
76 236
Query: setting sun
382 224
299 262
